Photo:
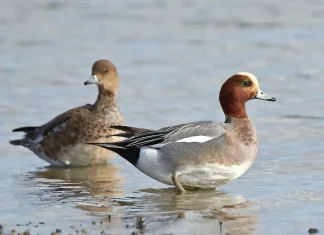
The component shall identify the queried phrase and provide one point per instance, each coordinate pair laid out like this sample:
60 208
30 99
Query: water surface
172 58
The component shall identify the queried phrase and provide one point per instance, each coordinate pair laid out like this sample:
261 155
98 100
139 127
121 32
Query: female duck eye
105 70
246 83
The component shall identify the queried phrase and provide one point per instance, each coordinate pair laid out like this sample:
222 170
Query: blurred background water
172 57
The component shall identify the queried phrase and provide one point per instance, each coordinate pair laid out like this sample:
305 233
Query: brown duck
62 141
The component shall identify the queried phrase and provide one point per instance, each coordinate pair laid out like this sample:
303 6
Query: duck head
237 90
105 76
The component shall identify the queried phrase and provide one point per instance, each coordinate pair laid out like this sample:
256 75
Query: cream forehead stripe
251 76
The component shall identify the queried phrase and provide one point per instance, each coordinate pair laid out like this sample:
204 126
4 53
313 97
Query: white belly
210 175
195 176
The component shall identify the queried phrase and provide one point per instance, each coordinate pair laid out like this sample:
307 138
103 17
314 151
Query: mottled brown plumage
61 141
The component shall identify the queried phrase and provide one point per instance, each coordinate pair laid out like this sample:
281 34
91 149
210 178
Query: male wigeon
62 141
203 154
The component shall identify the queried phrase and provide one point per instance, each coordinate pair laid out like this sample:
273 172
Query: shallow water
172 58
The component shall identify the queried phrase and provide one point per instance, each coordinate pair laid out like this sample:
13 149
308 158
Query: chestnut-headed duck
204 154
62 141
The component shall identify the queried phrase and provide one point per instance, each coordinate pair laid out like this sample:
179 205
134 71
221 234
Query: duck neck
233 110
232 99
105 98
235 121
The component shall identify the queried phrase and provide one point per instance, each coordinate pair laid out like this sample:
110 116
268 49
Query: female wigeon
62 141
203 154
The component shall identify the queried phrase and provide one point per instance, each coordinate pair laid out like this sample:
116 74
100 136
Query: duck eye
105 70
246 83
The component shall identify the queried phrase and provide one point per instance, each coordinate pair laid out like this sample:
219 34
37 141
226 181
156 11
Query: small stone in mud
181 215
109 218
101 222
1 229
41 223
84 231
134 233
58 230
20 225
36 226
93 223
313 230
55 233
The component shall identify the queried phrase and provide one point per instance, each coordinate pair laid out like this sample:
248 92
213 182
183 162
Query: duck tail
17 142
130 154
25 129
29 131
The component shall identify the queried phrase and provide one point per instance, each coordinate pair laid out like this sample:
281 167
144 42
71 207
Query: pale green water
172 58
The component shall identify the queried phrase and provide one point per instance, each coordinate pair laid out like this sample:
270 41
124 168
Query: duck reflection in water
100 191
203 210
89 188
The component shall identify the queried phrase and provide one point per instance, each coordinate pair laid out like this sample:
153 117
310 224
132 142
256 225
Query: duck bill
263 96
92 80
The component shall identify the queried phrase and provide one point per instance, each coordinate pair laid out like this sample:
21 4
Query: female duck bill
92 80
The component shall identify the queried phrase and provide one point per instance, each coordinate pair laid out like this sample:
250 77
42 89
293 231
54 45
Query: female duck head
104 74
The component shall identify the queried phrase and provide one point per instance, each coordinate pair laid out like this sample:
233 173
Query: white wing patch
196 139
